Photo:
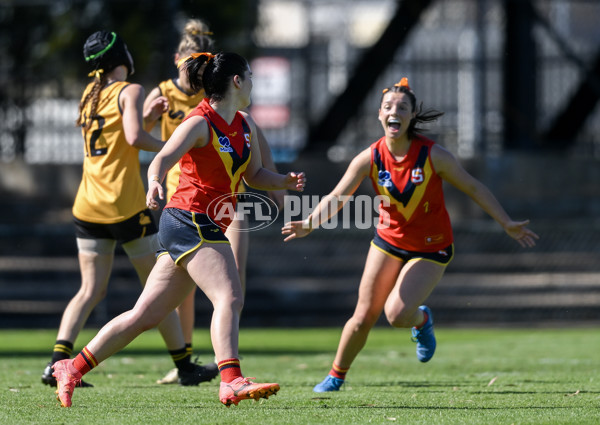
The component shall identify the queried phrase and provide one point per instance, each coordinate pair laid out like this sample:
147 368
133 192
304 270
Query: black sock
182 358
62 350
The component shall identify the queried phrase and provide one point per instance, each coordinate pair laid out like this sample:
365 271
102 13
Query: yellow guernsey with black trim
111 188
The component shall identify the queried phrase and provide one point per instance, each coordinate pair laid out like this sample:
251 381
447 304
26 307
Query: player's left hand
295 181
519 231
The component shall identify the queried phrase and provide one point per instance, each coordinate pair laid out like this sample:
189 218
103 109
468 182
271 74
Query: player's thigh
417 279
96 258
378 279
166 287
212 267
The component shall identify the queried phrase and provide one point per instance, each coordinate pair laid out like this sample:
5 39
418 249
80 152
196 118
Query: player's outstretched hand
518 231
295 181
154 189
295 229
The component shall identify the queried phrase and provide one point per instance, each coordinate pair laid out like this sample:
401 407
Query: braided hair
104 51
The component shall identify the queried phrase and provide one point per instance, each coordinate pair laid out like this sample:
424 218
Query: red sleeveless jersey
417 216
214 172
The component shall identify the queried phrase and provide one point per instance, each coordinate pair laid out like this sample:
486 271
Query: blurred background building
518 80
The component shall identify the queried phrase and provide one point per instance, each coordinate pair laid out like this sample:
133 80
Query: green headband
103 51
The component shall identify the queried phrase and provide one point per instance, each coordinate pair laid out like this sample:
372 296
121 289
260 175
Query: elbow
134 140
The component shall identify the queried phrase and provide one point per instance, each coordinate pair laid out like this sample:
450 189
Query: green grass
478 376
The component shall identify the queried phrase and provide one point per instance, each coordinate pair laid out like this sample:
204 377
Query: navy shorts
140 225
442 256
182 232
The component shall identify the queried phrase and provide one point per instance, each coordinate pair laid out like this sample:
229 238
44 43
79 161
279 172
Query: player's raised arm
334 201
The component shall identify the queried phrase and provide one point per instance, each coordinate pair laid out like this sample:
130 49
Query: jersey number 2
93 150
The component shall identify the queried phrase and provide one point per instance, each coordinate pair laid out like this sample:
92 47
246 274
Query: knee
362 322
146 321
237 304
399 319
234 303
91 295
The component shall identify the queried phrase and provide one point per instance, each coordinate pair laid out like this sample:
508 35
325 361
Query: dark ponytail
219 70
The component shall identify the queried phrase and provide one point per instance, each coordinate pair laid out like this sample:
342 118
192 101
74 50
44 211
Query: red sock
338 372
85 361
230 370
425 319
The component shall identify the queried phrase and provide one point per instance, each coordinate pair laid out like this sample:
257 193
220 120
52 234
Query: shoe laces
333 380
416 334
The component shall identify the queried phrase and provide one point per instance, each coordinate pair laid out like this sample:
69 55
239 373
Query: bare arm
334 201
449 169
154 106
131 101
191 133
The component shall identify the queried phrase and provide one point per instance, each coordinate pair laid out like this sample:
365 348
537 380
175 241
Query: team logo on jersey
225 144
385 178
434 239
247 138
176 115
144 219
417 175
233 134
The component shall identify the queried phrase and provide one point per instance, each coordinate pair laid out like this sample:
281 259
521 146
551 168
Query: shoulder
132 89
246 117
440 153
195 130
164 84
442 159
130 95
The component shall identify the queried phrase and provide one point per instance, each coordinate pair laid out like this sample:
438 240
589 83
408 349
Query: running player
110 206
413 242
170 102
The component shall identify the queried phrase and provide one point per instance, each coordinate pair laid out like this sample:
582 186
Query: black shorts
442 256
182 232
140 225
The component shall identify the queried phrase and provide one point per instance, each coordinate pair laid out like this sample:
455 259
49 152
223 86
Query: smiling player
413 242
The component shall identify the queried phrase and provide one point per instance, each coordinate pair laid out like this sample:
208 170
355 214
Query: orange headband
181 61
403 83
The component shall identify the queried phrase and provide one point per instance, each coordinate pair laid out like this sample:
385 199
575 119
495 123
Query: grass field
478 376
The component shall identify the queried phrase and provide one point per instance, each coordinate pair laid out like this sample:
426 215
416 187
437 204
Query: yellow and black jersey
111 188
180 105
